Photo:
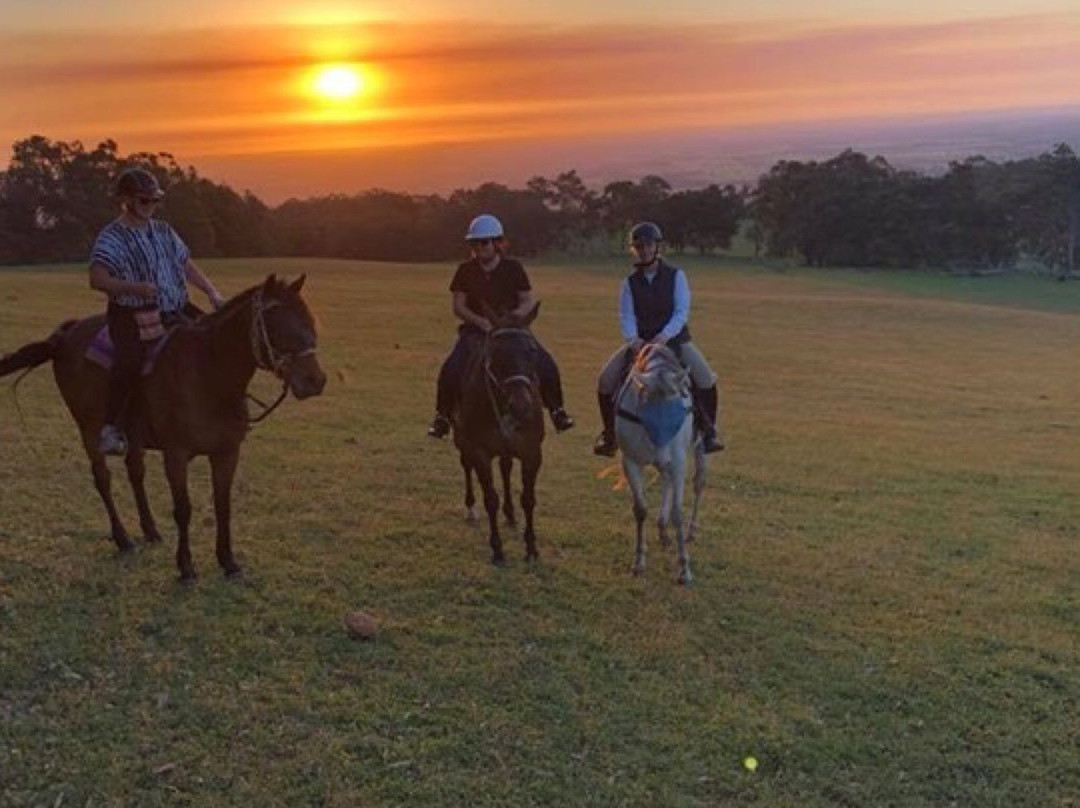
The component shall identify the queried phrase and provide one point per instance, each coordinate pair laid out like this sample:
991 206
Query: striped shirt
150 254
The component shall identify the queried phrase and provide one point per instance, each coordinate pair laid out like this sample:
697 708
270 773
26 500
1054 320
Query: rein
644 380
493 384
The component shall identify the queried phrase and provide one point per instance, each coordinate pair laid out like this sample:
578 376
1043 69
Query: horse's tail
33 354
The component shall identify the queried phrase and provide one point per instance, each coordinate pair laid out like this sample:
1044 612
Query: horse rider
490 281
654 307
142 264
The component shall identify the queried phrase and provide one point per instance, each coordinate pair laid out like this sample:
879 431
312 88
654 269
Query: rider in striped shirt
142 265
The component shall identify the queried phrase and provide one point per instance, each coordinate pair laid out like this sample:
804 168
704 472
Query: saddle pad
663 420
100 351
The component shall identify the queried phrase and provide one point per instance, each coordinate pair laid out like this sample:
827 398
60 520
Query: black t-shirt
498 289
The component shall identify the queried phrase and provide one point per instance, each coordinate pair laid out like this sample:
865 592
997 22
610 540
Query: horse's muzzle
306 378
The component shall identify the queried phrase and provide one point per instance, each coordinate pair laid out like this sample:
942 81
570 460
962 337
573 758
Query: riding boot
446 394
605 442
705 405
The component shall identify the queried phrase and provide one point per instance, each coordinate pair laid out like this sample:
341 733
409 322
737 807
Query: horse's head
658 373
283 336
511 359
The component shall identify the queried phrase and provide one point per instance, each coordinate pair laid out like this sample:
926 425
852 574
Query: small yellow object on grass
750 763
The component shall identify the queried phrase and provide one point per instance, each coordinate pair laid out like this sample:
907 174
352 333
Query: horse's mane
278 291
215 318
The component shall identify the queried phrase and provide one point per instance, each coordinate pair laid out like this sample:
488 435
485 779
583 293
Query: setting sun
339 82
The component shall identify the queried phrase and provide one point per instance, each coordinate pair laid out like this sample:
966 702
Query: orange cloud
236 91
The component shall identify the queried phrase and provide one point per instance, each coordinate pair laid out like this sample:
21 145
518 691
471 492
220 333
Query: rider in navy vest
654 306
489 280
142 264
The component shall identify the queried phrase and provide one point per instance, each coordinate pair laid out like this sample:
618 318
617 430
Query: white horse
654 425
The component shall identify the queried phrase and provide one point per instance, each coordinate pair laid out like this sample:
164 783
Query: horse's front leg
470 497
103 483
136 469
664 517
530 469
636 482
700 470
222 471
176 468
482 465
506 465
678 481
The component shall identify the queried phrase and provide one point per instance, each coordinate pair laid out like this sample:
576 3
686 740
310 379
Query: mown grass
884 611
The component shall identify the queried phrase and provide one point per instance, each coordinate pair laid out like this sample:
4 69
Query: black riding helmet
138 182
645 233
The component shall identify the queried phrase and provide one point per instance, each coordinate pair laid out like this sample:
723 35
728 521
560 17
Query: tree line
851 210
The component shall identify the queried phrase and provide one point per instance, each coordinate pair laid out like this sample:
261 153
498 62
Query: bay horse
192 402
501 415
654 425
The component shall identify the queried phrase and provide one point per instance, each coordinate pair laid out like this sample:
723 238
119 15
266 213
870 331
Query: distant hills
686 159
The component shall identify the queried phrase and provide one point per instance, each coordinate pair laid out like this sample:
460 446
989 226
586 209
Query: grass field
884 612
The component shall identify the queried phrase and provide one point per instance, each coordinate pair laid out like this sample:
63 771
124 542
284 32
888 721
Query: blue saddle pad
663 419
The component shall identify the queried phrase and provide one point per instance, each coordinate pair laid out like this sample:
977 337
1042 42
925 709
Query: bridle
497 387
267 357
519 378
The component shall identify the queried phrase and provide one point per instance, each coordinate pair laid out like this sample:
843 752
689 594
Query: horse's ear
269 284
298 284
527 320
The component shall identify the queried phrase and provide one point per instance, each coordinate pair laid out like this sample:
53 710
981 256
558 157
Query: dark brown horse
192 403
501 415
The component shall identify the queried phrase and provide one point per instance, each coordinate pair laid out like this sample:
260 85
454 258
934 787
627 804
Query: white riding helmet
484 226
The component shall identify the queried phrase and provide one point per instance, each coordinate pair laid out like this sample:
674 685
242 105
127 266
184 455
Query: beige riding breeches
607 383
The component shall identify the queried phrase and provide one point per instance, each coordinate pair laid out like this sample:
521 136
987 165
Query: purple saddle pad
100 351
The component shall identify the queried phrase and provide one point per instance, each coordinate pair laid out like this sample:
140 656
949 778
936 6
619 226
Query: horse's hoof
152 537
499 561
685 579
234 574
532 558
637 571
126 547
188 580
471 517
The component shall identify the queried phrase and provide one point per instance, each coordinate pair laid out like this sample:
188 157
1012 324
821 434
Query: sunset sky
239 89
